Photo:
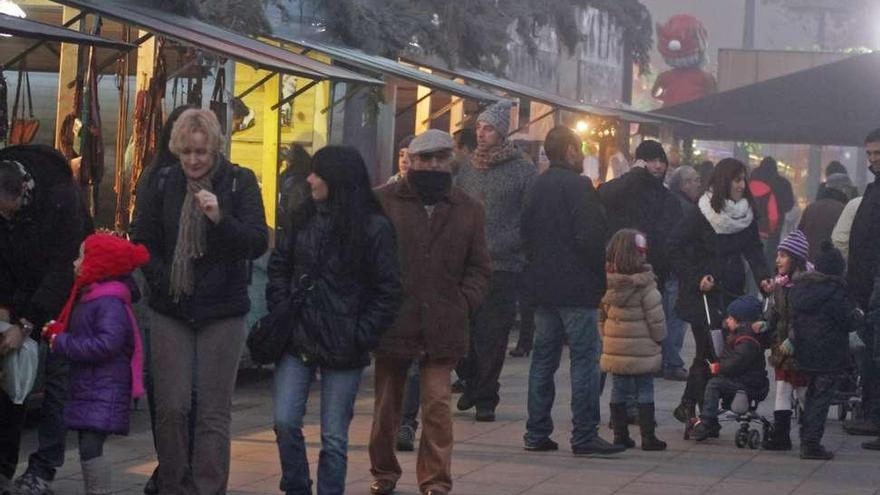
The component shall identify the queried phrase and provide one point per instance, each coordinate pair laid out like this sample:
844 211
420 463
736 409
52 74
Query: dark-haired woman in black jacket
707 249
342 249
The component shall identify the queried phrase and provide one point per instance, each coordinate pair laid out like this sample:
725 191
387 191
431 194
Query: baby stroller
743 409
848 396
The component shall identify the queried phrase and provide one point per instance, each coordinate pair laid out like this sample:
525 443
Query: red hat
107 256
104 256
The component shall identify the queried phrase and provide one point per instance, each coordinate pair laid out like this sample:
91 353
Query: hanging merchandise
91 169
71 126
147 121
218 98
4 109
23 129
194 91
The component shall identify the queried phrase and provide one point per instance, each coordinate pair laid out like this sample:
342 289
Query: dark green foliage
630 15
472 33
230 14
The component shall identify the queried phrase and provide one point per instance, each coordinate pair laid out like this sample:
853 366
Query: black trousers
12 418
51 431
490 330
820 392
526 323
699 373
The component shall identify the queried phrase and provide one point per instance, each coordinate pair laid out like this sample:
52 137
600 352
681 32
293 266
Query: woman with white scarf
707 250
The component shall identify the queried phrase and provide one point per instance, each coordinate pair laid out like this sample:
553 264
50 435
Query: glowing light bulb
582 126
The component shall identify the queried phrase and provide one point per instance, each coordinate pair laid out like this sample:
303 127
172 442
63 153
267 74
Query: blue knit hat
745 309
796 244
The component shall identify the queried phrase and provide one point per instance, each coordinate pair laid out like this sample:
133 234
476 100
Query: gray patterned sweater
501 189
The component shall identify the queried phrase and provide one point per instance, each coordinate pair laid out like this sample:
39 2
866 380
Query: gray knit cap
498 116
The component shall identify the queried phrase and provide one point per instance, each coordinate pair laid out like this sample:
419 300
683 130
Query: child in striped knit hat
791 262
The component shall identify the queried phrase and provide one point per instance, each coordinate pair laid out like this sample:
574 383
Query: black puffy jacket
823 316
638 200
743 360
40 242
344 315
222 274
695 250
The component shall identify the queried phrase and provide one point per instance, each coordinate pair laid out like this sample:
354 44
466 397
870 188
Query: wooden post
67 69
456 112
423 109
146 60
271 138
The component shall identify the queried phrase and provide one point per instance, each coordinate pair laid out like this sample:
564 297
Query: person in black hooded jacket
42 222
823 316
341 251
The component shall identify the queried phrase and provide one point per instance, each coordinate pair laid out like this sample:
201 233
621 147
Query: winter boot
620 426
780 434
96 476
815 451
705 429
685 411
647 426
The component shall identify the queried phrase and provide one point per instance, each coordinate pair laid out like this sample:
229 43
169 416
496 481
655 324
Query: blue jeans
580 326
675 327
291 392
718 388
625 388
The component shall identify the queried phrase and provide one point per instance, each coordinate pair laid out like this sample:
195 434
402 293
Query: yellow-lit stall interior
266 132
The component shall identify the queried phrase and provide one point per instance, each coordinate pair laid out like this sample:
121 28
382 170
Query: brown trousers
434 464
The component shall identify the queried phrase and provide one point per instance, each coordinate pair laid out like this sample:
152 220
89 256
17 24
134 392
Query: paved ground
489 459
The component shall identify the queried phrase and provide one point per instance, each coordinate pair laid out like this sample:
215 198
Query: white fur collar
734 217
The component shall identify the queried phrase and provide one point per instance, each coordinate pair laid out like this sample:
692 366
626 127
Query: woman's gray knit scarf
192 232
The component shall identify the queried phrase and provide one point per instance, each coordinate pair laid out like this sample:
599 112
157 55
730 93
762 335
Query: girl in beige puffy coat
633 326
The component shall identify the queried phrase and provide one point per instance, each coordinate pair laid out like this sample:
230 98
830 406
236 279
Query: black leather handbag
271 335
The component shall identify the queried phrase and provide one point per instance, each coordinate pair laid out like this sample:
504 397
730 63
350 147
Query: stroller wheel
741 439
754 439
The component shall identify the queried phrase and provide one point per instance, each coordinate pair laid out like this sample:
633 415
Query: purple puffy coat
99 344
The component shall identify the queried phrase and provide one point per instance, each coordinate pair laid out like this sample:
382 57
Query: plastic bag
19 368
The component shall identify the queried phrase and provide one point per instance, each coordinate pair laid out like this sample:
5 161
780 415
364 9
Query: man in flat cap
445 268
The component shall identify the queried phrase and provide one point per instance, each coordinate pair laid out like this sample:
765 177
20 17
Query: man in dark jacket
497 176
861 270
42 223
741 366
818 219
564 231
445 272
640 200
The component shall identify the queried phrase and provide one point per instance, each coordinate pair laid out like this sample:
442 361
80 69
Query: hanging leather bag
23 129
218 98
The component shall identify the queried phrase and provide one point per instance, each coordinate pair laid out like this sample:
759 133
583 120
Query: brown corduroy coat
445 268
633 325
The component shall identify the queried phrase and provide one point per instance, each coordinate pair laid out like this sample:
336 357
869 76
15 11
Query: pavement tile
488 458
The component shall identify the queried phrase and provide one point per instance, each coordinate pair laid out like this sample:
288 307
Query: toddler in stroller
740 368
